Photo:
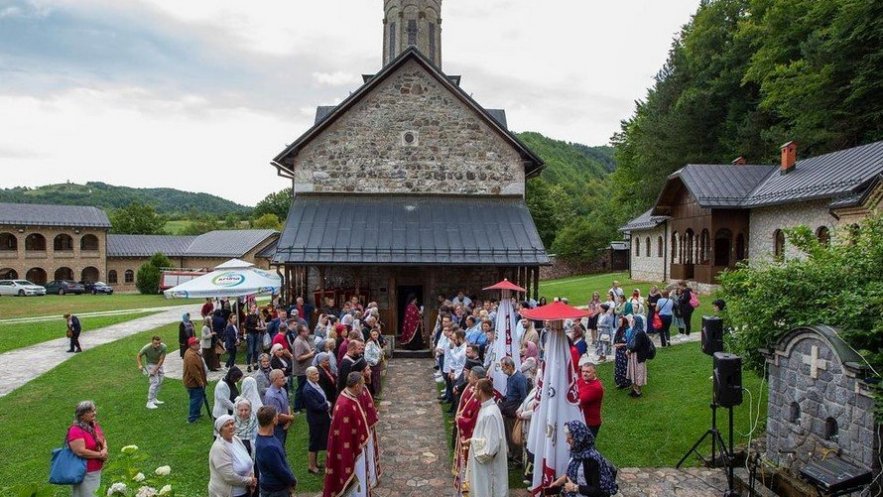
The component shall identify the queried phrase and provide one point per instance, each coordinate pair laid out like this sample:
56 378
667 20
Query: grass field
174 226
657 429
14 336
34 419
55 305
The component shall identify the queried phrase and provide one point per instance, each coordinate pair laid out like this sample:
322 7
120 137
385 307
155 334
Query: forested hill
167 201
567 162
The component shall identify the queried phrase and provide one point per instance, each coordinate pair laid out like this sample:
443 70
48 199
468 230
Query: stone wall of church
764 221
452 150
652 267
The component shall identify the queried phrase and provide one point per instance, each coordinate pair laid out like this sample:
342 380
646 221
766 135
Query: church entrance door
402 294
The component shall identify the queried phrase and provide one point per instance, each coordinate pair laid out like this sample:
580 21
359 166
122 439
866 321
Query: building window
779 244
36 275
740 247
723 243
89 242
35 242
90 274
63 243
854 232
659 244
794 414
129 276
64 273
689 240
675 247
8 242
637 247
432 42
392 40
112 276
647 249
412 32
704 247
824 236
831 429
8 274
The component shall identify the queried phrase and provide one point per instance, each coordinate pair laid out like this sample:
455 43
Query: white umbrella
234 264
505 343
236 282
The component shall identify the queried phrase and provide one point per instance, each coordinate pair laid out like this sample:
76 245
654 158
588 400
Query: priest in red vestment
467 414
411 338
372 450
347 442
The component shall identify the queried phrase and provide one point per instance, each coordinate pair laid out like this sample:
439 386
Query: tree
200 225
149 274
267 221
137 219
275 203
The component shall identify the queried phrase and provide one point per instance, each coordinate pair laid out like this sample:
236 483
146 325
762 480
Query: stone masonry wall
50 260
651 268
454 150
794 438
765 220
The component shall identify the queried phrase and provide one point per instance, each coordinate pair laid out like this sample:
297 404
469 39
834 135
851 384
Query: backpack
651 349
608 477
694 300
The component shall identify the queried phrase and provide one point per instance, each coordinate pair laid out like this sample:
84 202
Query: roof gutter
282 170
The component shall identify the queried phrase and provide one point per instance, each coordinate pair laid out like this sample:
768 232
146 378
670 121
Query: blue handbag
66 468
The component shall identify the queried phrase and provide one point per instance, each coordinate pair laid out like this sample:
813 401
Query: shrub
149 274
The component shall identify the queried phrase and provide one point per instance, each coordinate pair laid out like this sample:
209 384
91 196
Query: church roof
533 164
643 222
75 216
409 230
218 243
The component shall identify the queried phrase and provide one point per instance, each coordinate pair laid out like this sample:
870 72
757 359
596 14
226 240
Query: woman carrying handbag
86 440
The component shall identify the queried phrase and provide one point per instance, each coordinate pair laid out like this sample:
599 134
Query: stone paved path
19 366
117 312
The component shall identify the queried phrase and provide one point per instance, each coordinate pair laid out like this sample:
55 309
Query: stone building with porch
708 217
408 186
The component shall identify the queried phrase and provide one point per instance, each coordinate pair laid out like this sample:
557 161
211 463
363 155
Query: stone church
408 186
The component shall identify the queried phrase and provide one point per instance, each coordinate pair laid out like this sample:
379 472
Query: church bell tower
409 23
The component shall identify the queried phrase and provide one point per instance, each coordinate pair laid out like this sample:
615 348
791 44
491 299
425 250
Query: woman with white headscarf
318 418
231 468
250 392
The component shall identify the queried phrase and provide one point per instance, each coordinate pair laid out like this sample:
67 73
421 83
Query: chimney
789 157
739 161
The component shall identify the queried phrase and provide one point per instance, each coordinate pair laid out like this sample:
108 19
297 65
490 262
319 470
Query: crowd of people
331 373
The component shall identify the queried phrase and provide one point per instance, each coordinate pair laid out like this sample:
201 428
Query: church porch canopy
409 230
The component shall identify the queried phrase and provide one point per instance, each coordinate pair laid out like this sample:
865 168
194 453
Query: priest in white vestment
487 469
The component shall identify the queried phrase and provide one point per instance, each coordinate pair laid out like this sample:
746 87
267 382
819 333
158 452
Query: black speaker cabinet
727 379
712 335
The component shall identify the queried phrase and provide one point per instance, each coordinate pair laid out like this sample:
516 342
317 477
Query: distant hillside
168 201
569 163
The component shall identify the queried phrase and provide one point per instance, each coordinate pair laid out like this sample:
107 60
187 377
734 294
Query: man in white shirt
487 467
462 299
457 356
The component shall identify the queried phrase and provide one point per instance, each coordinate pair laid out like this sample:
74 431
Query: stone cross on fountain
815 363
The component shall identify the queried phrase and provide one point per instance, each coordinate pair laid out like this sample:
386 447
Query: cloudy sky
200 95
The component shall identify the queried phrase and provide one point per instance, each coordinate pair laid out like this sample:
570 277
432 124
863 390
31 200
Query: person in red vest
591 393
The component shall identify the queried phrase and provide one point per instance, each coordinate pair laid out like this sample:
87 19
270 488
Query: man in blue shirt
275 476
474 332
516 391
277 397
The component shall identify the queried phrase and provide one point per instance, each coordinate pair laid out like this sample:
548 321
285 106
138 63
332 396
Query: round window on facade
409 138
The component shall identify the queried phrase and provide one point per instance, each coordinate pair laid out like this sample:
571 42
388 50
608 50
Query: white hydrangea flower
165 490
128 449
146 491
118 488
139 477
163 470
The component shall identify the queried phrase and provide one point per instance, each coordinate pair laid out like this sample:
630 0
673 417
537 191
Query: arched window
8 242
35 242
63 243
824 236
689 241
89 242
129 276
831 429
647 249
112 276
659 244
90 274
794 414
723 243
36 275
704 247
740 247
8 274
854 231
637 247
64 273
675 248
779 244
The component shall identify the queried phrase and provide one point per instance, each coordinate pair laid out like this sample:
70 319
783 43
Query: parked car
62 287
94 287
20 288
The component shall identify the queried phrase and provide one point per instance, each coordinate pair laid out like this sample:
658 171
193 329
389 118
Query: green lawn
174 226
55 305
14 336
35 417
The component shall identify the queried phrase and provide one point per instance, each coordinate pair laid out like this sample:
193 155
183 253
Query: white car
20 288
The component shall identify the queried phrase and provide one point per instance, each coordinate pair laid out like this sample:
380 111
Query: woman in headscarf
86 440
327 378
330 348
262 375
318 418
620 341
529 370
278 359
246 421
250 393
529 349
583 477
207 344
226 392
185 331
638 347
231 467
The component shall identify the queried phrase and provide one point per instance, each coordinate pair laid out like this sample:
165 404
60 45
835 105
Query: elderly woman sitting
231 468
318 417
584 475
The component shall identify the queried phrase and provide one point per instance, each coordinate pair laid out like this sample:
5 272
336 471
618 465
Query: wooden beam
536 282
